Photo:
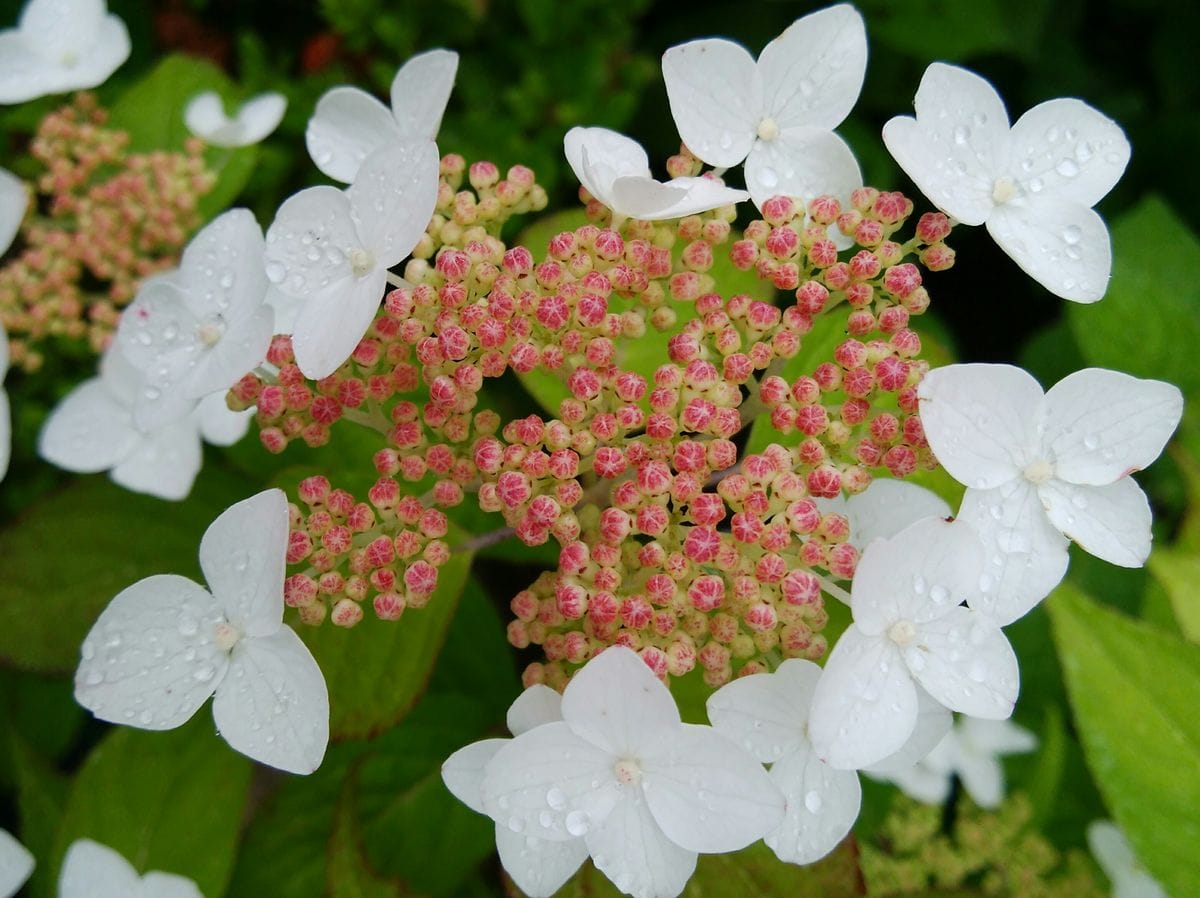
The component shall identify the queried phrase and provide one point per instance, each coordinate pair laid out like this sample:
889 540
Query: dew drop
1083 151
768 178
1068 168
204 674
1052 133
546 819
516 824
188 626
226 280
276 272
812 801
977 672
726 140
577 823
961 134
146 717
1036 185
95 678
556 799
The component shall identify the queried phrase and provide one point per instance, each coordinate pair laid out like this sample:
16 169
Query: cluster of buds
111 219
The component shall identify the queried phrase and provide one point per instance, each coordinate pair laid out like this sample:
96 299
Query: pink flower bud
825 482
636 613
701 544
299 590
900 461
345 613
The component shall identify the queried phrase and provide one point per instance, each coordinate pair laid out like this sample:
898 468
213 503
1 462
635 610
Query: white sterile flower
14 199
5 411
165 644
539 867
349 124
1038 466
60 46
616 171
644 790
1111 850
198 329
767 714
92 870
205 117
909 626
332 249
1034 185
777 113
16 863
218 424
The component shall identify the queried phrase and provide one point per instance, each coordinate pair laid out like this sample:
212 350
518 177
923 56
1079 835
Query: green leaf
349 875
80 546
168 801
1135 691
1150 310
41 797
377 670
1179 573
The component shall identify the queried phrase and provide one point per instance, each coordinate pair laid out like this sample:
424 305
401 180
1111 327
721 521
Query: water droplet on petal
812 801
276 272
556 799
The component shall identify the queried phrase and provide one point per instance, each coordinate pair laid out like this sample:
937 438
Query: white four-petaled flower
777 113
615 170
910 628
644 790
1038 466
255 119
60 46
1034 185
92 870
165 644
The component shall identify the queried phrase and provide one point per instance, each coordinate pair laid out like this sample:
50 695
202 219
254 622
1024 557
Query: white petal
964 661
822 805
919 574
536 705
347 125
109 48
766 713
707 793
983 778
393 197
922 784
168 885
159 335
16 863
204 115
243 556
539 867
1100 424
14 199
222 267
953 148
61 28
67 45
933 723
23 74
163 463
1112 852
273 705
331 323
151 659
1061 244
599 156
550 783
887 506
865 704
979 420
5 432
1111 522
287 308
1076 152
813 72
310 241
617 704
463 771
92 870
716 99
218 425
804 163
258 117
1026 554
88 431
646 198
632 851
420 91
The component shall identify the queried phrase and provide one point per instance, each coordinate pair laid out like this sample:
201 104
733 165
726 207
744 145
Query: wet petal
536 705
243 556
1111 522
462 772
420 91
346 127
716 98
539 867
822 805
331 323
1061 244
767 713
964 661
393 197
631 849
803 163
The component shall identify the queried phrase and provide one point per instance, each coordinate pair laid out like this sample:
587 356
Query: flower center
902 632
768 129
227 636
362 262
1003 190
1039 471
627 772
210 332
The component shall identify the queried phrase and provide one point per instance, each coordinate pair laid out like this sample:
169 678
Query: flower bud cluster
111 219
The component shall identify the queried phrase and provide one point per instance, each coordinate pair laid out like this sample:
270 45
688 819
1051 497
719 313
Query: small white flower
539 867
332 249
1038 466
1112 852
616 171
205 117
909 626
197 329
60 46
16 864
14 199
92 870
165 644
348 124
644 790
777 113
1034 185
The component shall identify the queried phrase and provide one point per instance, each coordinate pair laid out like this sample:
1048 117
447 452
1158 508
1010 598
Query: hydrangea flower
201 327
1111 850
60 46
92 430
1040 465
14 199
539 867
645 791
1033 185
16 864
616 171
206 118
349 124
92 870
332 249
165 644
909 626
778 114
